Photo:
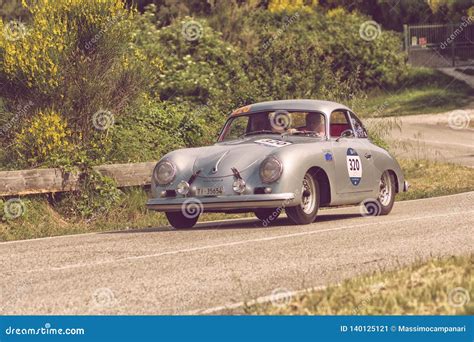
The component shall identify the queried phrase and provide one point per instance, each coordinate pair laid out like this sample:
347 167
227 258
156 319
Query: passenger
314 123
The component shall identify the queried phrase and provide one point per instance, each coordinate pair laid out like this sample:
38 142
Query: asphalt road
162 271
445 137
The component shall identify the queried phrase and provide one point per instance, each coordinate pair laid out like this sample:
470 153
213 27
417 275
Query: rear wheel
306 212
268 215
179 221
383 204
386 193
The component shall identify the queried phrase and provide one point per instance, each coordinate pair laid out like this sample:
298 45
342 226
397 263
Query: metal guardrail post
453 42
406 32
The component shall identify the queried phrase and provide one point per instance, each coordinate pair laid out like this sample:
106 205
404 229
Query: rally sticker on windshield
272 142
354 166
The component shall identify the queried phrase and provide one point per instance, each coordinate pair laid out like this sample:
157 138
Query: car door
367 146
352 155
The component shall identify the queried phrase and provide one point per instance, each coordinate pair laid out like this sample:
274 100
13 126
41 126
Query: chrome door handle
368 155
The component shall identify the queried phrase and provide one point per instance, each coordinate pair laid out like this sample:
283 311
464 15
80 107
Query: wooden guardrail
38 181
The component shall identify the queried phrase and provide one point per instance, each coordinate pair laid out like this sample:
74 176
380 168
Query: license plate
212 191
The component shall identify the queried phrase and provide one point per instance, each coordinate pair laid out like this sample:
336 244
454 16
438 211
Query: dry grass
430 179
436 287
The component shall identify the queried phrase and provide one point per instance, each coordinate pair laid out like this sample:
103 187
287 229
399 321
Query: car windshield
275 122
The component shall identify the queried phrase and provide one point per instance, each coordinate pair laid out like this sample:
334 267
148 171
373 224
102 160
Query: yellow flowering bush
291 5
58 28
69 55
43 140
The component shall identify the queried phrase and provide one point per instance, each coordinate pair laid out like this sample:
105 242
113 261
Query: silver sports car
296 155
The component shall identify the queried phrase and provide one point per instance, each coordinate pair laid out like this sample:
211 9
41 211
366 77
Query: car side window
339 122
359 129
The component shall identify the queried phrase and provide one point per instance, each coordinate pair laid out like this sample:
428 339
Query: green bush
300 54
96 196
200 74
156 128
203 69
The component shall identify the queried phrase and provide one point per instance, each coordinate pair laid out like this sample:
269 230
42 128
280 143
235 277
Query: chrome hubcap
385 192
308 199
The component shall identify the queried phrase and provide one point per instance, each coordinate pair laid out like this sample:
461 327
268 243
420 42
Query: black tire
383 204
386 205
179 221
306 213
268 215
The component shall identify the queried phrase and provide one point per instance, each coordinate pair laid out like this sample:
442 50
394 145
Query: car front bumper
222 202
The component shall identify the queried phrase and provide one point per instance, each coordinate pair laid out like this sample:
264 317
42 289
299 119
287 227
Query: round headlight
270 170
239 186
183 188
164 172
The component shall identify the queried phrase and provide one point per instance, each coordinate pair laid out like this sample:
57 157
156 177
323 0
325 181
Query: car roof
310 105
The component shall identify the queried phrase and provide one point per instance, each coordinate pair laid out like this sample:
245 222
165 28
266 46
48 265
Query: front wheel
306 212
268 215
180 221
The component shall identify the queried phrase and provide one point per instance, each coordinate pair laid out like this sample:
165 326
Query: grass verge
423 91
40 219
437 287
431 179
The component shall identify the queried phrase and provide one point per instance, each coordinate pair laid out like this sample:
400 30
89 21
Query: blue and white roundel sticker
354 166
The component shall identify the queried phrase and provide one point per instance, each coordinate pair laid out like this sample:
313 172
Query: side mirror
348 133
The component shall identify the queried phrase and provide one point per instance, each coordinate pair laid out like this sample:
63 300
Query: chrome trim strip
215 169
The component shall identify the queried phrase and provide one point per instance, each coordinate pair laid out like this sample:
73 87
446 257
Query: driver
314 123
259 122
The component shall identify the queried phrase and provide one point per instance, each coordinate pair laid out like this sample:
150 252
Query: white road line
259 300
218 221
241 242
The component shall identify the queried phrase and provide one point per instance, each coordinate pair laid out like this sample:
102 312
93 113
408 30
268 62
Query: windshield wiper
302 133
264 131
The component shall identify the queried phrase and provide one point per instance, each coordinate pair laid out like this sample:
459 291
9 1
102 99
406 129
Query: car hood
219 159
